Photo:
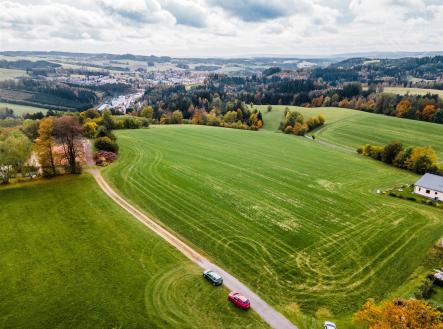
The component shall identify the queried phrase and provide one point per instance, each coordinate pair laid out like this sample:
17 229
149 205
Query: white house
430 186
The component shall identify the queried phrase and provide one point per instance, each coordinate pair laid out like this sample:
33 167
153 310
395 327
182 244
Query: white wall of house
428 193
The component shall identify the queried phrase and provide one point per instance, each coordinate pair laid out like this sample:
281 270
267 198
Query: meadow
351 128
297 221
6 74
412 91
22 109
71 258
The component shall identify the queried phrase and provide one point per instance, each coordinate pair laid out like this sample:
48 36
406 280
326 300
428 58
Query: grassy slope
295 220
6 74
412 91
22 109
71 258
353 128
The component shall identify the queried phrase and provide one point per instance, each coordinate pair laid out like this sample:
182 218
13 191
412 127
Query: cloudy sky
225 28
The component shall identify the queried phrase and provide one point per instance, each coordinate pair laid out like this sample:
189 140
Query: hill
295 220
352 128
71 258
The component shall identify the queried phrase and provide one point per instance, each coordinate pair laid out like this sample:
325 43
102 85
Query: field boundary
271 316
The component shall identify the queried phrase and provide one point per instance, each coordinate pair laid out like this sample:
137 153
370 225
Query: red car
239 300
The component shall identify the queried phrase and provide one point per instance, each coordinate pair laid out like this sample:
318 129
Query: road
271 316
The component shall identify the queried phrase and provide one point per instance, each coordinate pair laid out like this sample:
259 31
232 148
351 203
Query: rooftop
430 181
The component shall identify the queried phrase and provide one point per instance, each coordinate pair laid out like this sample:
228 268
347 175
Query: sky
222 28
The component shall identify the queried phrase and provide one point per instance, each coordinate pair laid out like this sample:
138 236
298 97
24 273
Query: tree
15 149
177 117
68 133
399 314
147 112
30 129
44 146
438 116
90 129
422 160
403 108
391 151
428 112
106 144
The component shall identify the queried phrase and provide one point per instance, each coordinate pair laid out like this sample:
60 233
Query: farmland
280 213
412 91
71 258
352 128
22 109
6 74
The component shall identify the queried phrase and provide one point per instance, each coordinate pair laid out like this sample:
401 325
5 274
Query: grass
352 128
6 74
71 258
295 220
22 109
412 91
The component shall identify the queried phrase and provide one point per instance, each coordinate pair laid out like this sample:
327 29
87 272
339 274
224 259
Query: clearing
72 258
298 221
22 109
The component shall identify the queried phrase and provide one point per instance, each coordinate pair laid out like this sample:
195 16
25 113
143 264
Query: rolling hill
71 258
298 221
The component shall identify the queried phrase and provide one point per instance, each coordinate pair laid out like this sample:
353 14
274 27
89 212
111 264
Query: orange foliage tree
399 314
403 108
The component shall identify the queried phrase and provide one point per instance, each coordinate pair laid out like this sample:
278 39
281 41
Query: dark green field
71 258
297 221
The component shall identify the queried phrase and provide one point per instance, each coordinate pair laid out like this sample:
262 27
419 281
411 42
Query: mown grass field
6 74
22 109
351 128
71 258
412 91
297 221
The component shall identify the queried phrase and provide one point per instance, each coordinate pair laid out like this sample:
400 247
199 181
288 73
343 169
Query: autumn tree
399 314
68 133
44 146
177 117
403 108
15 149
422 160
428 112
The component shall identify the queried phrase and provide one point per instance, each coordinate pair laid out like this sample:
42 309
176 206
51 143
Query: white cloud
221 28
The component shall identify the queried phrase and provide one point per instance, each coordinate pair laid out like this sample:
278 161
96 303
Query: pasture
412 91
297 221
22 109
352 128
6 74
71 258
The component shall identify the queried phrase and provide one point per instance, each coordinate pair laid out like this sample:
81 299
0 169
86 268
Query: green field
6 74
297 221
352 128
22 109
412 91
71 258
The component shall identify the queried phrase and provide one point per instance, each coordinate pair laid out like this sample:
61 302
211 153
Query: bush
103 158
106 144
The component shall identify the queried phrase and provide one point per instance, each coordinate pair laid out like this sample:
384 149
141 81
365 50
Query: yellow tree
403 108
44 146
399 314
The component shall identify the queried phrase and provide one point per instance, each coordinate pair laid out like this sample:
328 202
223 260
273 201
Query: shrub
102 158
106 144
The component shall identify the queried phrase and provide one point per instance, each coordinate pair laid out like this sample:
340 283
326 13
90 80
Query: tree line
419 160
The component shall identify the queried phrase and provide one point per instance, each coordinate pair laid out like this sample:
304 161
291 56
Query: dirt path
271 316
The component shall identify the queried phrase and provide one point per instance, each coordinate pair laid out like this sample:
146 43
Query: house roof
432 182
